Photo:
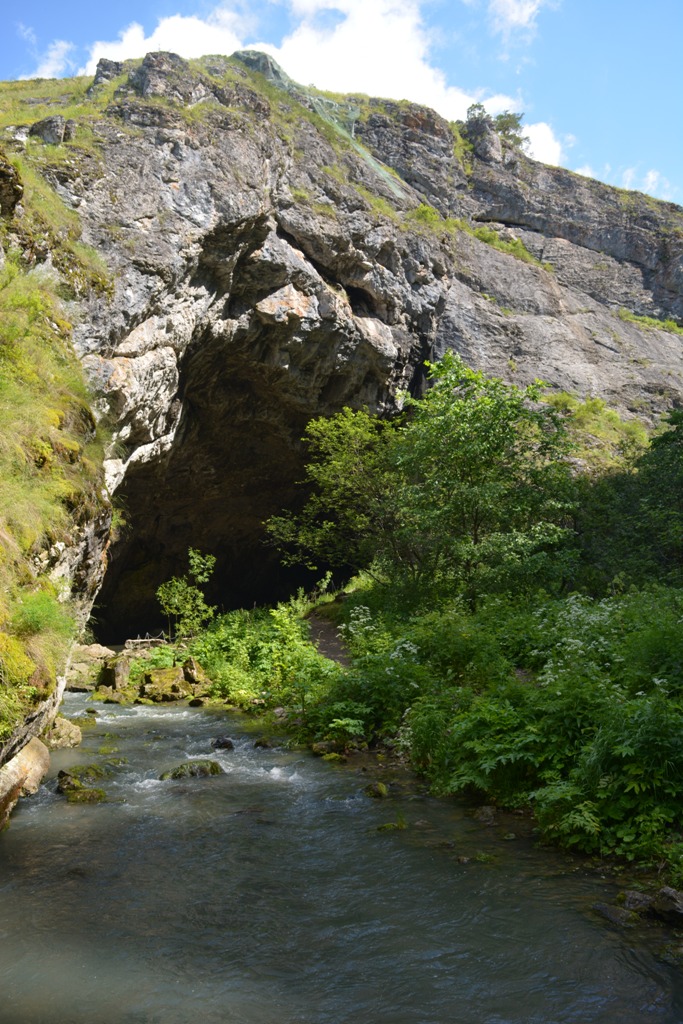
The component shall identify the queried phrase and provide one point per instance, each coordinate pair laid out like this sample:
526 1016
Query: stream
267 895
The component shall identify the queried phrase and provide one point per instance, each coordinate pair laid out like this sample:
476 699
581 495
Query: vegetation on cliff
50 448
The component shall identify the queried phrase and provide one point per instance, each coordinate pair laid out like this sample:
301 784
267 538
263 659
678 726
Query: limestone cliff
273 253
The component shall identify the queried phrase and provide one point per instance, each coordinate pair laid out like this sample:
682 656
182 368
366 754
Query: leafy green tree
182 600
630 517
470 490
509 127
659 512
351 512
486 481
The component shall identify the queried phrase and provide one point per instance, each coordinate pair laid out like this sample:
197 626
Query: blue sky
600 82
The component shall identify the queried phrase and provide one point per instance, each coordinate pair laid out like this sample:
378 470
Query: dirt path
327 638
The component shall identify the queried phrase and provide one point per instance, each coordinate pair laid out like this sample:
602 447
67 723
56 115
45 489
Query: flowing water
267 895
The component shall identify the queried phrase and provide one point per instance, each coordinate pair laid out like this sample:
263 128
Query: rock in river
193 769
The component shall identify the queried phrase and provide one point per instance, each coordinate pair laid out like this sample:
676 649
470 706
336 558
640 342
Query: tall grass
49 459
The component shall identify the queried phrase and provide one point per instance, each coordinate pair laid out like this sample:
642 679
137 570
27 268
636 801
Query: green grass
426 218
604 440
514 248
378 204
50 482
650 323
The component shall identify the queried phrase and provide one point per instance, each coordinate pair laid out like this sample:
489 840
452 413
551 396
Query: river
268 895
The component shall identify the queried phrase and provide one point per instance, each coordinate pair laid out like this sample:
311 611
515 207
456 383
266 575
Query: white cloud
543 143
628 178
189 36
509 16
652 182
27 33
380 47
55 62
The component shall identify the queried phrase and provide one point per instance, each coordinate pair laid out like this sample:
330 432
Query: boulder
108 695
76 784
485 814
377 790
619 916
640 902
115 673
54 130
80 776
323 747
162 685
195 674
86 795
22 775
105 71
63 733
193 770
222 743
85 666
11 189
668 906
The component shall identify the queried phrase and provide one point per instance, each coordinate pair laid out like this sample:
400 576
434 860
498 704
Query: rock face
22 775
11 189
54 130
276 255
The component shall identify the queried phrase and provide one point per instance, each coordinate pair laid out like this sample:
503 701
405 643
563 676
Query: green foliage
466 640
515 247
182 600
651 323
601 438
469 493
264 659
50 479
380 206
426 215
48 225
349 512
630 517
41 612
484 481
426 218
571 706
509 127
462 147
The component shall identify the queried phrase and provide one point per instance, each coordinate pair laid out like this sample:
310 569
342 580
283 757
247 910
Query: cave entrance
236 460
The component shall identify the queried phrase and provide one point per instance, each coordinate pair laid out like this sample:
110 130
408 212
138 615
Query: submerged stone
77 783
616 915
377 790
85 795
80 776
193 770
668 905
222 743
